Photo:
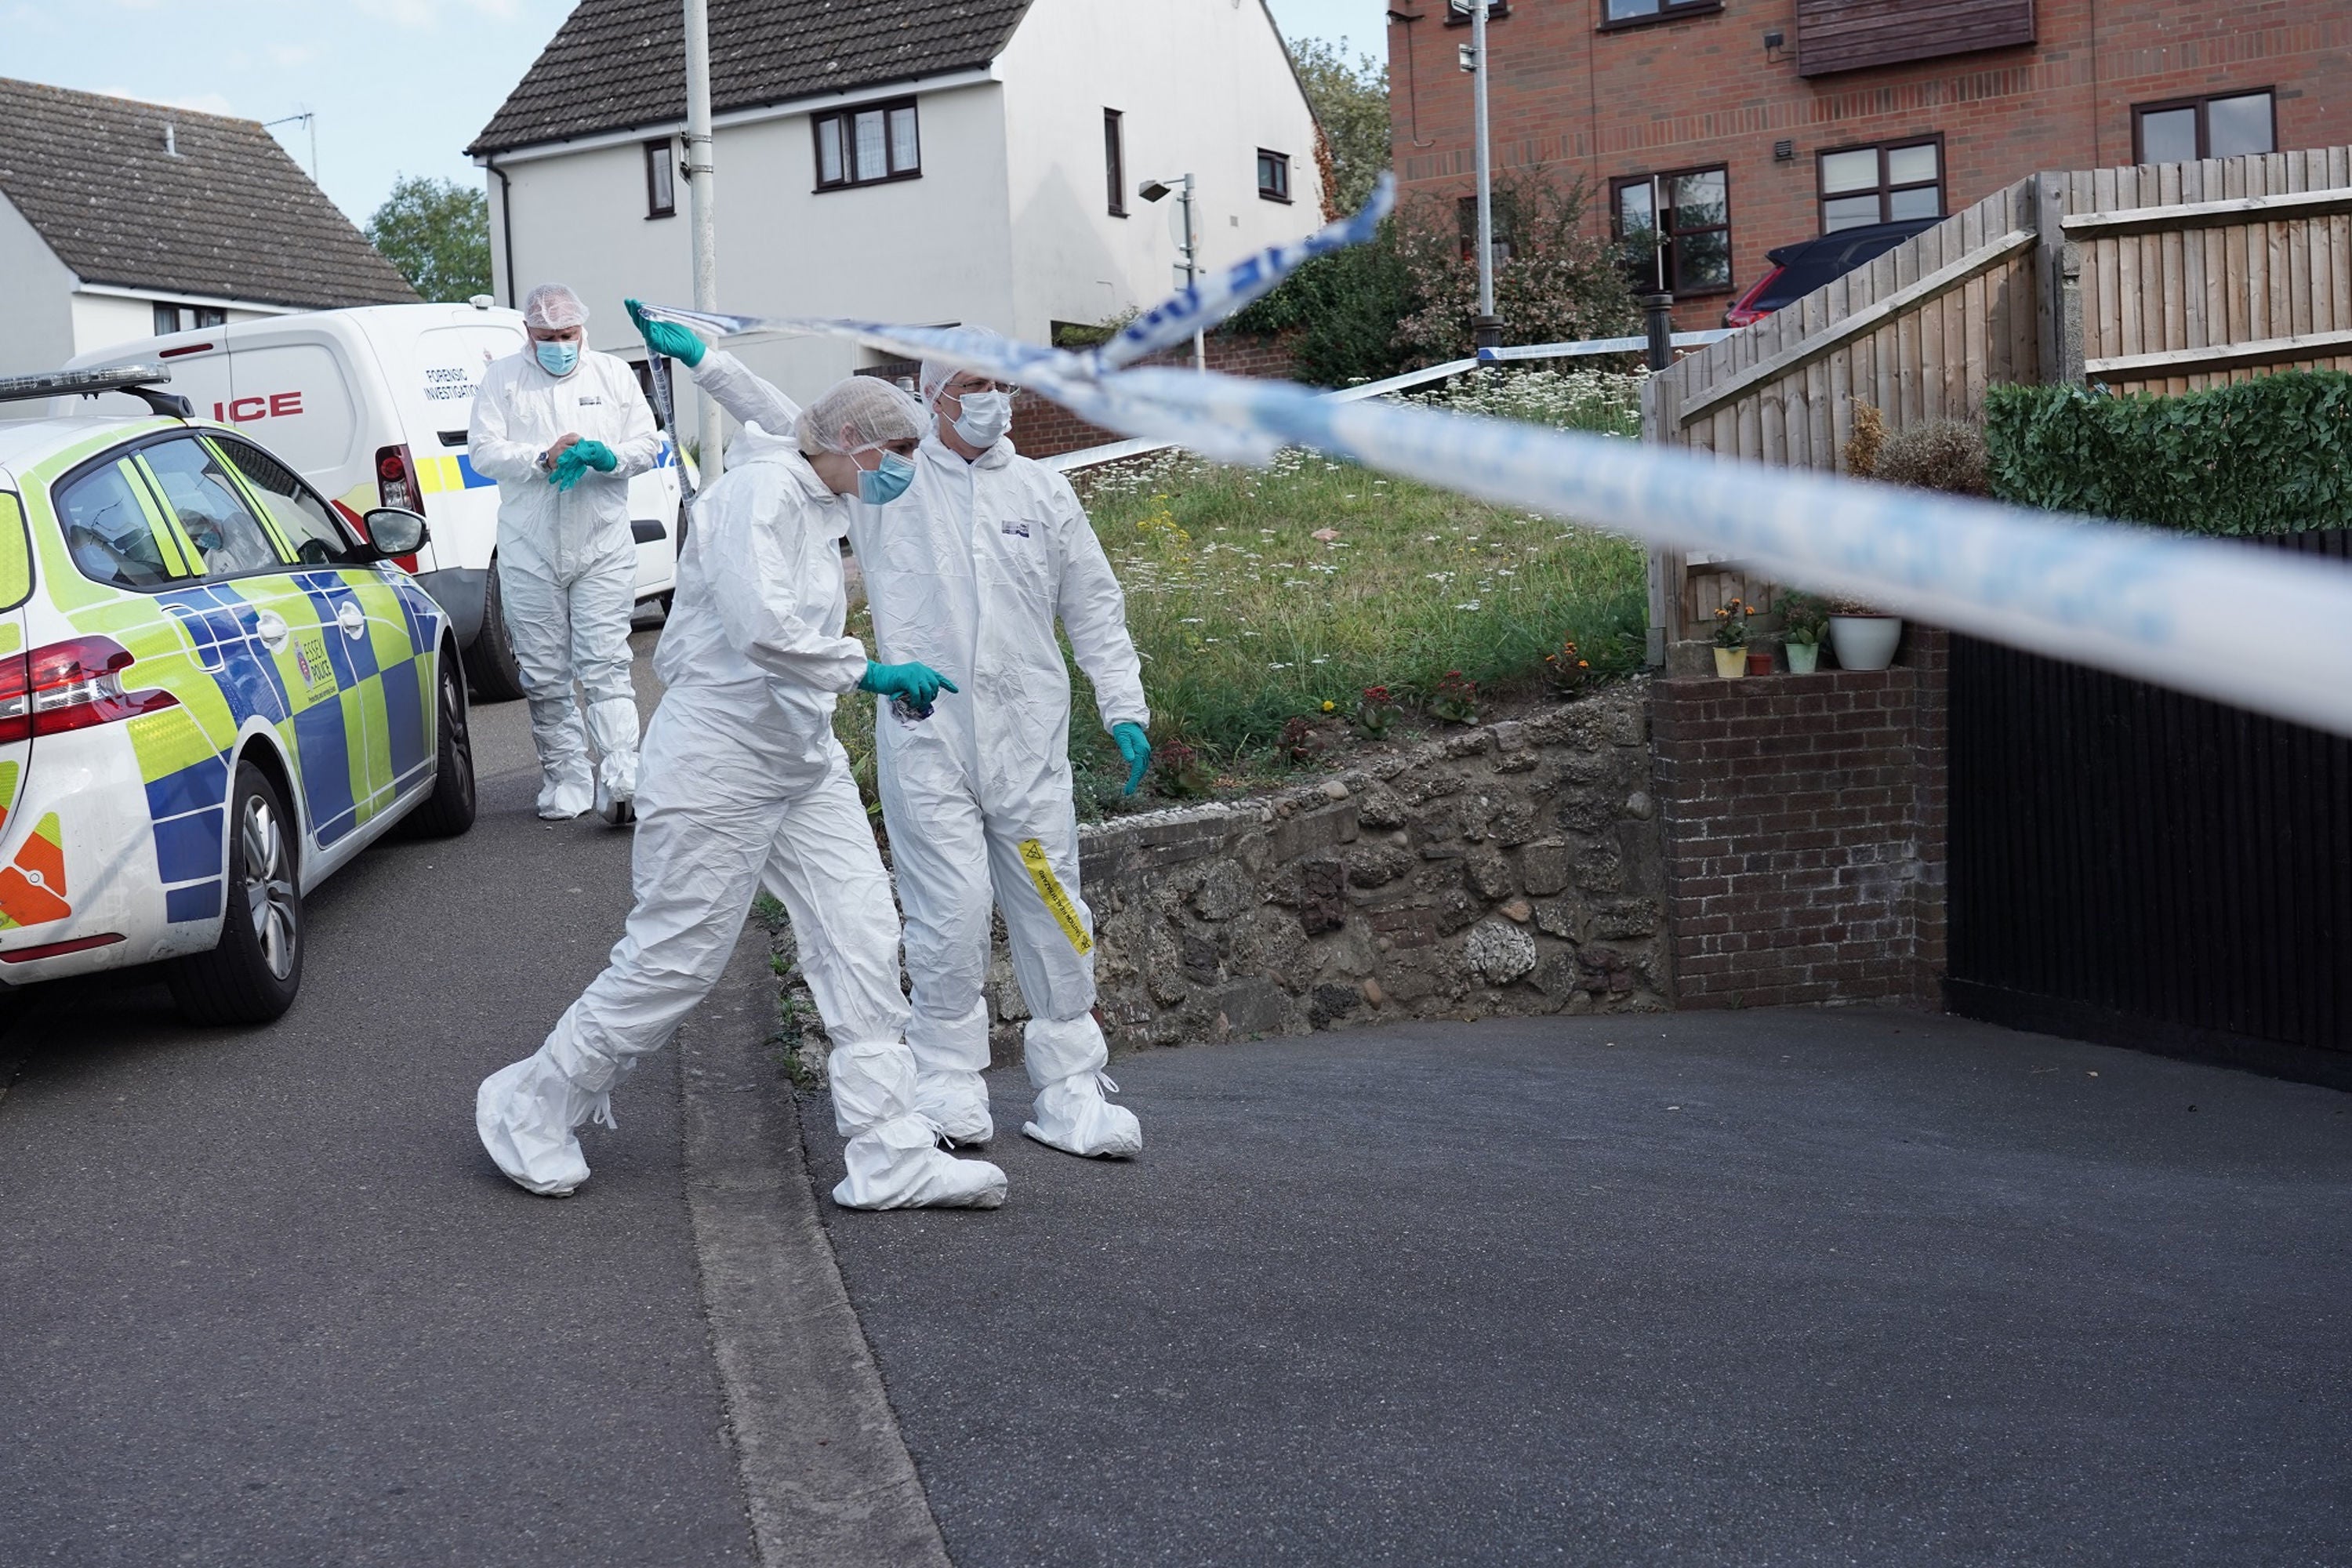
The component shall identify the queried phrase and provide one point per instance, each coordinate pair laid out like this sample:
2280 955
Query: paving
1793 1286
264 1301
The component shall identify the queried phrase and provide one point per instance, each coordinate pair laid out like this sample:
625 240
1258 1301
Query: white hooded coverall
967 573
743 783
567 563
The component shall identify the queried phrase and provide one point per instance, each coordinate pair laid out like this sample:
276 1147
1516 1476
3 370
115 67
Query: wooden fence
2165 278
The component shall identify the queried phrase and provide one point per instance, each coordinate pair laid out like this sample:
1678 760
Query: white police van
371 406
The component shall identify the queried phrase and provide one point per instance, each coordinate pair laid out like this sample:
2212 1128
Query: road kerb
826 1476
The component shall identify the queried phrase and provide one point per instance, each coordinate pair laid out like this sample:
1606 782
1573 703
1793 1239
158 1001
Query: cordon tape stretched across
2258 628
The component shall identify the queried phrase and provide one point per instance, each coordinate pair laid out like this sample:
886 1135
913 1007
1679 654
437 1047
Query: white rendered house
974 161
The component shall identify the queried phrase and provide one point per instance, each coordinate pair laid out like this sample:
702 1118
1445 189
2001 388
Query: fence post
2070 314
1663 570
2058 303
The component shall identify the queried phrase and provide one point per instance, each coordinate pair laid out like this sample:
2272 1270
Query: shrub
1344 309
1946 455
2268 455
1869 436
1606 401
1560 282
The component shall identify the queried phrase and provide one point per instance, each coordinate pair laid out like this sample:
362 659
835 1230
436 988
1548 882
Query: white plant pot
1865 642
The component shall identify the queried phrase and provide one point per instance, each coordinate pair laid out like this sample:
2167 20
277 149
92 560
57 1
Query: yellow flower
1330 707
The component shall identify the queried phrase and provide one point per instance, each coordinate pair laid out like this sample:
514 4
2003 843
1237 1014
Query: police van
371 406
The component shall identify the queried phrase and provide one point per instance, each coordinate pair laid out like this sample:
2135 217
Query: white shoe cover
898 1164
525 1113
617 807
563 801
1073 1116
958 1101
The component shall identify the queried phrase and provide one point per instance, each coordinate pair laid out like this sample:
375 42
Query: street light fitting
1154 190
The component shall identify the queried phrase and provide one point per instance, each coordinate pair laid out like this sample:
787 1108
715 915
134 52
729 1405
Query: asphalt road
1737 1289
263 1299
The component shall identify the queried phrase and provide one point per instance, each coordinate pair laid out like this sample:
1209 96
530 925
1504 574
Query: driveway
1736 1288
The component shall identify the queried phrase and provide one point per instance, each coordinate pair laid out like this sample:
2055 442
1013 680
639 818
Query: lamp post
701 179
1487 328
1188 245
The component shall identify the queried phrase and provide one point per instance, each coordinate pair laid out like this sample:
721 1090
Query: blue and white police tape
2260 630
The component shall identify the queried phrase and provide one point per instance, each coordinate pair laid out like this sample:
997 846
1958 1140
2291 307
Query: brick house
1730 127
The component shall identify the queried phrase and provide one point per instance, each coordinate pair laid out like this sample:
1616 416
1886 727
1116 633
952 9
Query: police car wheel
448 811
490 662
253 976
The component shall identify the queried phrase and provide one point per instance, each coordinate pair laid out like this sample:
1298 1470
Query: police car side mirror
393 531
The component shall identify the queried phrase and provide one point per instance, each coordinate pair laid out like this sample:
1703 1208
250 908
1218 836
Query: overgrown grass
1259 596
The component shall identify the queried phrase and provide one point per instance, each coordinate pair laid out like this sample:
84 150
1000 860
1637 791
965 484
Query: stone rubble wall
1515 869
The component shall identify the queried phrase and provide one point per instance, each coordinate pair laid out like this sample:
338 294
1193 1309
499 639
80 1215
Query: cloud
291 54
428 13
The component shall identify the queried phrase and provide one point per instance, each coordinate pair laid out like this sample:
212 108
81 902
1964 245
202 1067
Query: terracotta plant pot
1865 642
1759 661
1804 657
1731 663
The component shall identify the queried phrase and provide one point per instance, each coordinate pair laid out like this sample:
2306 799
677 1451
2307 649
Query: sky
397 87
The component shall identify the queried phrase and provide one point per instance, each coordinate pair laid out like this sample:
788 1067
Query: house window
867 146
1680 223
1888 183
1613 11
1273 176
1114 159
661 179
187 318
1502 212
2228 126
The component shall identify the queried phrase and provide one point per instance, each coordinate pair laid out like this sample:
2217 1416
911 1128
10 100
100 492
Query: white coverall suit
743 784
968 573
567 563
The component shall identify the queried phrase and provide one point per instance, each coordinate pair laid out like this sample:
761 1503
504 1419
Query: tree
1351 105
1555 281
437 234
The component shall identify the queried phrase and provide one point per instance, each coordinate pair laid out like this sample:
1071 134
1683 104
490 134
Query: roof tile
616 65
230 215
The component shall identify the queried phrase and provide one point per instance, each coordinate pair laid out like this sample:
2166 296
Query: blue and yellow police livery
213 692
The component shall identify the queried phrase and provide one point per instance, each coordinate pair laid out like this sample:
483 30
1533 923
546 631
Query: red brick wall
1041 427
1698 91
1805 833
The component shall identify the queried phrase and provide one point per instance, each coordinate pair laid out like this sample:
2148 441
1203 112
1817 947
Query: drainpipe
506 225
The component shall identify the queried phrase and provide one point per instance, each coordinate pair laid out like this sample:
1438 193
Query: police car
214 692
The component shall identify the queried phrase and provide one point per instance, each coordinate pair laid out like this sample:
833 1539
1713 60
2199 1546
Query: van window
115 532
15 553
294 396
310 528
229 539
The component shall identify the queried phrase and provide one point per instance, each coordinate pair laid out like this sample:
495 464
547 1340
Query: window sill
868 185
1679 14
667 211
1270 196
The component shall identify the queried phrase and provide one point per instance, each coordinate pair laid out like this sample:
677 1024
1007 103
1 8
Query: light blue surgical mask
987 416
557 357
880 486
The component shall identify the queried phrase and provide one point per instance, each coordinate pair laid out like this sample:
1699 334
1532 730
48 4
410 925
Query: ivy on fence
2269 455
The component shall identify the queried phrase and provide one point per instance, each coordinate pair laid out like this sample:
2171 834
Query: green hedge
2268 455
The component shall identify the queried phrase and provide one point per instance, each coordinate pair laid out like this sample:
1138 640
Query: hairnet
553 305
938 373
868 407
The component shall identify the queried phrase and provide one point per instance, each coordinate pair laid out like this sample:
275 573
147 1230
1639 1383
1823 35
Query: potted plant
1804 621
1865 638
1731 640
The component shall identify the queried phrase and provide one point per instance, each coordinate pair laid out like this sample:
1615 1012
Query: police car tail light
396 480
69 686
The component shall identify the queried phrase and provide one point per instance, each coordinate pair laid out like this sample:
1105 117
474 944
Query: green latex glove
597 455
917 683
668 337
1136 747
568 468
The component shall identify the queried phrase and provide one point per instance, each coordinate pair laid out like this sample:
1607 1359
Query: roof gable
224 213
616 65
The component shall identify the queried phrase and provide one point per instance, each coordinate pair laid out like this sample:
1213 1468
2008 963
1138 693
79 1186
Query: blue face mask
556 358
881 486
